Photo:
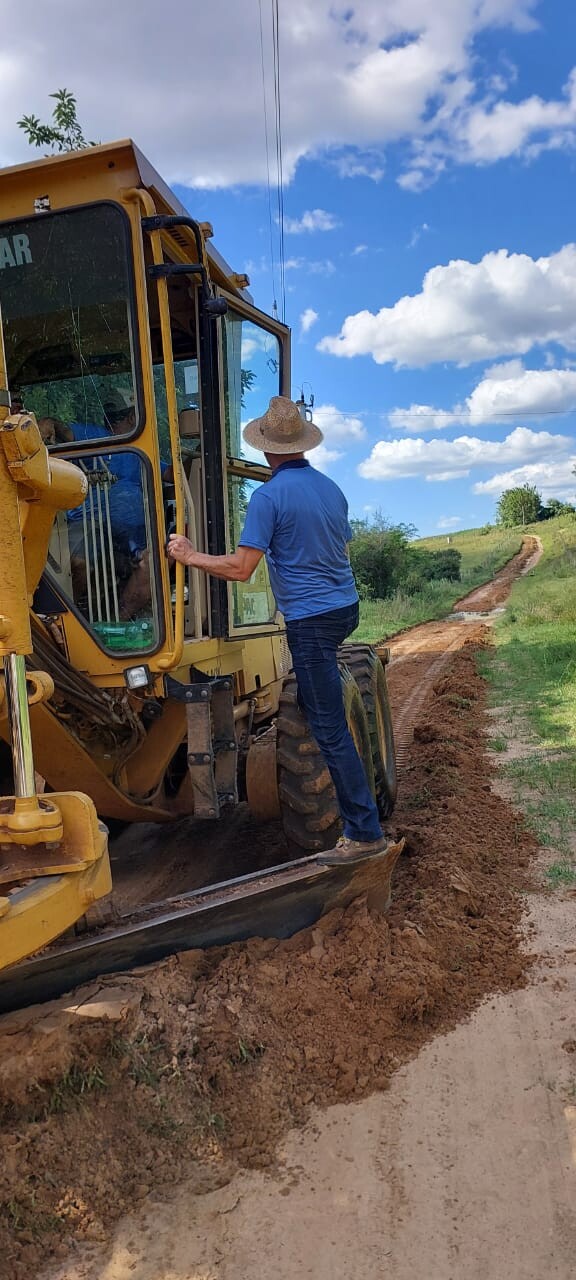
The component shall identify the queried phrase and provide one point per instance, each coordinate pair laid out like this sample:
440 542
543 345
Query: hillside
532 670
483 553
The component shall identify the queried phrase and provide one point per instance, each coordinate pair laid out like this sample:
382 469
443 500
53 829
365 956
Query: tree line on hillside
384 559
523 505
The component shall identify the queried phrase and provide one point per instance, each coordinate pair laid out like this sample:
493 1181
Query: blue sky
418 138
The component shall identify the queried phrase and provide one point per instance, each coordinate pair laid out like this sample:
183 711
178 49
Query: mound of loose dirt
200 1063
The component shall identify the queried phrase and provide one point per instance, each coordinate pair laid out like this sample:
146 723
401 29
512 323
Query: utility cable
279 157
267 142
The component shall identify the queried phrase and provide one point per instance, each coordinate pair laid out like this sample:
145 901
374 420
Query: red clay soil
214 1055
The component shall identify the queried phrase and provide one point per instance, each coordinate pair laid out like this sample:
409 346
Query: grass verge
532 671
482 555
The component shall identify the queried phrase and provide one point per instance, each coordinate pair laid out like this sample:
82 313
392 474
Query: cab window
253 602
251 362
101 553
252 370
66 298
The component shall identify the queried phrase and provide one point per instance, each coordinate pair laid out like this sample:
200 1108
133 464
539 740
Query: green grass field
532 670
482 555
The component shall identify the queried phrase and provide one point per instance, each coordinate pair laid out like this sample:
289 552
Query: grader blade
276 903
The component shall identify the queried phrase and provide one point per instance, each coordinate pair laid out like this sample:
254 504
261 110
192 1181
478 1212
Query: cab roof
110 166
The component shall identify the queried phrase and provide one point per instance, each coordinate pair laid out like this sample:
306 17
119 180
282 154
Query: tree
378 558
522 505
443 566
65 133
384 561
554 507
379 523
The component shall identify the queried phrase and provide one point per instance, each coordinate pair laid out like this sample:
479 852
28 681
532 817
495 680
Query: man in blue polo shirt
299 521
126 498
126 503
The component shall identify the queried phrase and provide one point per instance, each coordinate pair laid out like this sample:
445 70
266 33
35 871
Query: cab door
255 365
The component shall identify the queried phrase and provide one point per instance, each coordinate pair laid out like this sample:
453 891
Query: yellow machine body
53 851
114 302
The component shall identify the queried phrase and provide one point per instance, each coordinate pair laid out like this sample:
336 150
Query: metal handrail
144 198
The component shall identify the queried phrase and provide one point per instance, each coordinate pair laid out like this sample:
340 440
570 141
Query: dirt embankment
200 1064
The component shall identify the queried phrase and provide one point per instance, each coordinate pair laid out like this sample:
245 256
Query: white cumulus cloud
508 128
507 390
523 391
449 522
307 319
438 460
352 163
424 417
345 428
323 267
311 220
552 479
484 129
354 79
466 311
322 457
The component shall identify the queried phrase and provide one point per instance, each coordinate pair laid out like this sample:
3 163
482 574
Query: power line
489 417
454 417
279 157
343 413
270 219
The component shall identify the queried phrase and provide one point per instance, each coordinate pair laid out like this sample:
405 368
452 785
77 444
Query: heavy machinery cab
135 355
141 354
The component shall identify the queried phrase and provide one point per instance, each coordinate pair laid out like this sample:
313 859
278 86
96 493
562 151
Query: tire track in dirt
424 671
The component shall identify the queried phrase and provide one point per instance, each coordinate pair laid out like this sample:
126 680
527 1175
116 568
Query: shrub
384 561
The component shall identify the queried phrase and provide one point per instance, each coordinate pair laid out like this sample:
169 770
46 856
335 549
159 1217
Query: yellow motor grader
131 355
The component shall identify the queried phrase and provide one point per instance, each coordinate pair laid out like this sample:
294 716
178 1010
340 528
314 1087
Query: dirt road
459 1170
419 656
464 1169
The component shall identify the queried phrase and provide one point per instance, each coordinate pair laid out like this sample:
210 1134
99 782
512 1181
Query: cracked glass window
65 295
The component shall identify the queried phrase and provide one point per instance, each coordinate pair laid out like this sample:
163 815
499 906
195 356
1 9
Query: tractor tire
308 803
370 676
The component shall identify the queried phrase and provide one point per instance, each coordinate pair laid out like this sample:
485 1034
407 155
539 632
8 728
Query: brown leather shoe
347 851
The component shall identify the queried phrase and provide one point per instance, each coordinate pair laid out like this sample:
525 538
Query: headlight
137 677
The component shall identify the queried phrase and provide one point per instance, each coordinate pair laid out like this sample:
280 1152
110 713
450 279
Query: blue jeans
313 643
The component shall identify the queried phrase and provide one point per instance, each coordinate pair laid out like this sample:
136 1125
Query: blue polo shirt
126 497
300 520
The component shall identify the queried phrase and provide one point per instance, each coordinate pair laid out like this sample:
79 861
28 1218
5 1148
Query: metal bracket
186 692
161 269
212 745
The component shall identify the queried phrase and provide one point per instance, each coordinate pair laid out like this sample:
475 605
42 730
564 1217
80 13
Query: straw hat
117 406
282 430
